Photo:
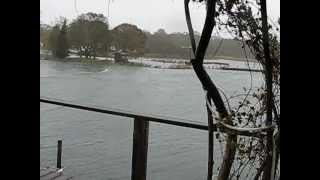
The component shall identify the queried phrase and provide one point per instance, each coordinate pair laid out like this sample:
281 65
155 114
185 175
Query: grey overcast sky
148 15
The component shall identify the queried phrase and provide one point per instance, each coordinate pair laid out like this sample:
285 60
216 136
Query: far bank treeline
89 36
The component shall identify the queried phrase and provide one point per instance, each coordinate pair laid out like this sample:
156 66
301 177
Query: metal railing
140 131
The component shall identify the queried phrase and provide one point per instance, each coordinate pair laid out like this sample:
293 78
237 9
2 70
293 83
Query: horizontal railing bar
140 116
119 112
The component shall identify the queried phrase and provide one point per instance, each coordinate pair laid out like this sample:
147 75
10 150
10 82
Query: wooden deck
52 173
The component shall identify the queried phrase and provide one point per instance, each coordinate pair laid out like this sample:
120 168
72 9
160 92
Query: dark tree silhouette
62 45
238 16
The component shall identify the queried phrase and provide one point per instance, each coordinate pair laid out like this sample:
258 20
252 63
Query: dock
52 173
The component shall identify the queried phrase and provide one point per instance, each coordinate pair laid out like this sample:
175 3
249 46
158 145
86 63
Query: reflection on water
98 146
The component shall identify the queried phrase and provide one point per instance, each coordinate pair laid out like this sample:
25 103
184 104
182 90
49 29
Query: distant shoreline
170 64
164 60
184 58
161 58
233 59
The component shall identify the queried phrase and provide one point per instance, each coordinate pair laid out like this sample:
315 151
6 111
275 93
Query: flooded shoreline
164 63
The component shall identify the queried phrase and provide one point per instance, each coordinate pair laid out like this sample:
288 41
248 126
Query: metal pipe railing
147 117
124 113
140 132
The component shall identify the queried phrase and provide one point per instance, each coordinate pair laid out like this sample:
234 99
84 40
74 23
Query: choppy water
98 146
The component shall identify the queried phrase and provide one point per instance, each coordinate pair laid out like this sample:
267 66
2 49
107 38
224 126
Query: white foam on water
106 70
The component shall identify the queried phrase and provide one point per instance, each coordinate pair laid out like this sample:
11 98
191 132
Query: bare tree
237 17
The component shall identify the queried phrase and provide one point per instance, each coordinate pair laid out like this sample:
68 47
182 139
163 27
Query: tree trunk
94 53
228 158
210 144
80 52
210 87
268 79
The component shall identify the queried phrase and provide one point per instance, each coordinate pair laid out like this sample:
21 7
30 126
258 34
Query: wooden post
59 154
140 149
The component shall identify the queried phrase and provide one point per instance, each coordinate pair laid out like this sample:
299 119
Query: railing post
59 154
139 149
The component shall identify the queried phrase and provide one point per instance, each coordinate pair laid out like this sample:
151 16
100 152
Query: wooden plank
52 173
46 171
140 149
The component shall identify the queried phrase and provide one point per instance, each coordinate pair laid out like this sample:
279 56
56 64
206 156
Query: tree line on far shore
89 36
